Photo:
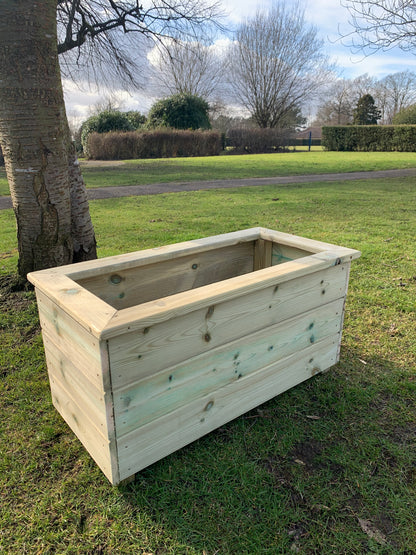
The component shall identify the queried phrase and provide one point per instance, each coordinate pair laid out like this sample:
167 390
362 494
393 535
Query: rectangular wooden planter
149 351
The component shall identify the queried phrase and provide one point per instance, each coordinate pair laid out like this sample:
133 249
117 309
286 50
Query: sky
330 19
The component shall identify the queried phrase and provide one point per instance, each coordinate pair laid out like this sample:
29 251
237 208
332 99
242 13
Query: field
144 172
327 467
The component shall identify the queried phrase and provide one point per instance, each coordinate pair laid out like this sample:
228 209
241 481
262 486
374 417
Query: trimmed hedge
160 143
303 142
256 141
382 138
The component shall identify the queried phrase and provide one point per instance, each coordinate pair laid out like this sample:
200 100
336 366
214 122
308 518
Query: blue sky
328 16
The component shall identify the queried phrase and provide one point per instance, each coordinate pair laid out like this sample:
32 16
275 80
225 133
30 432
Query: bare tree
394 93
382 24
391 94
48 193
277 62
341 98
187 67
101 39
361 85
337 109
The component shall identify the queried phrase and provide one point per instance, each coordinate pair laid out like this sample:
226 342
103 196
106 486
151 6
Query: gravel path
178 187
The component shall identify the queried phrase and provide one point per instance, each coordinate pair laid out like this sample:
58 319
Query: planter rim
104 321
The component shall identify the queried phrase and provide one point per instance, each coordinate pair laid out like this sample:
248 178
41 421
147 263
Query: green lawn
142 172
327 467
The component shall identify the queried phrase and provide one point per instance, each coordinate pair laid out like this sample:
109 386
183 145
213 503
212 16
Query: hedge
255 141
382 138
160 143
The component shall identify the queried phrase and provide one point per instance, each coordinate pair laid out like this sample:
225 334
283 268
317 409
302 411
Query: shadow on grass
329 466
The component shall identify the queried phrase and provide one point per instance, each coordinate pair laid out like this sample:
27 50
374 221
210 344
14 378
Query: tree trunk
48 194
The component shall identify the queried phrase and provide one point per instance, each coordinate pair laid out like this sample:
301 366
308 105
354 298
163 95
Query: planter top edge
307 244
104 321
83 270
84 307
154 312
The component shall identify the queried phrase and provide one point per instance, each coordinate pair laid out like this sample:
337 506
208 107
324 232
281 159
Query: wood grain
145 352
165 435
168 390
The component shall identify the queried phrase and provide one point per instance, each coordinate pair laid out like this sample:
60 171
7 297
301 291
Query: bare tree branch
381 24
106 39
187 67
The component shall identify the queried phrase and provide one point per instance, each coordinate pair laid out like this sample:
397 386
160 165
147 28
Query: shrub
136 119
159 143
104 122
255 141
180 111
404 138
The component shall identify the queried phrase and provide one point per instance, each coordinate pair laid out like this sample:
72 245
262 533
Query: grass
144 172
327 467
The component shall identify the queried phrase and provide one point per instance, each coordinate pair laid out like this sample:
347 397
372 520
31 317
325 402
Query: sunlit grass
327 467
143 172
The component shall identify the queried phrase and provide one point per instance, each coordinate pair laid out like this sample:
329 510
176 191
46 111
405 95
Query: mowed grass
145 172
327 467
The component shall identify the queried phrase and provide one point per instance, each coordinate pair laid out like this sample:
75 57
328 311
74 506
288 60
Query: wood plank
141 353
283 253
262 254
134 286
87 309
97 445
74 342
175 386
150 313
171 432
309 245
86 406
155 255
76 383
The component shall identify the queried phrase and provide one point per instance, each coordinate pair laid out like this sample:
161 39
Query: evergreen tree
180 111
366 112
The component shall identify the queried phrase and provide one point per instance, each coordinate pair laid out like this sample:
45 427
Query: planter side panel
137 355
165 435
75 361
233 356
168 390
134 286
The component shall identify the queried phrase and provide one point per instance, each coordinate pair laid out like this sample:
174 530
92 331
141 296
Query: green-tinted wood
176 386
161 437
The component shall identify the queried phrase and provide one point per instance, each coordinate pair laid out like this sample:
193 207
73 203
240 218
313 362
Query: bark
82 231
49 197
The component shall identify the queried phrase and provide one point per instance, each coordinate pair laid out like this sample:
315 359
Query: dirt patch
14 293
307 453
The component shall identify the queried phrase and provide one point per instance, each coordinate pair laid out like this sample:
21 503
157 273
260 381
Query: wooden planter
149 351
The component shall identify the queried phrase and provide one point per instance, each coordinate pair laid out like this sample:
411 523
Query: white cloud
80 101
